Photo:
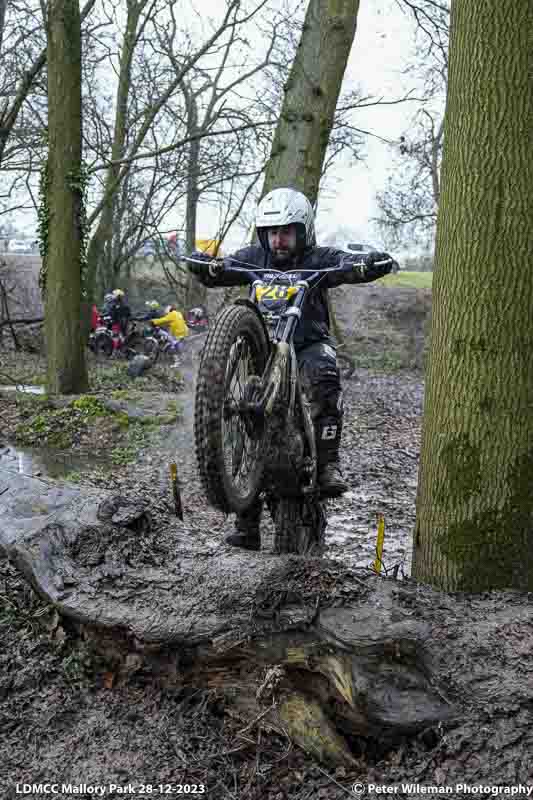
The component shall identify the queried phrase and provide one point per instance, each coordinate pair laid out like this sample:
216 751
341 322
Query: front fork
283 376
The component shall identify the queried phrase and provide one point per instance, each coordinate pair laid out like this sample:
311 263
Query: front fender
243 301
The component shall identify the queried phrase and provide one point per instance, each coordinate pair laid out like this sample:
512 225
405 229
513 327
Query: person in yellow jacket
174 324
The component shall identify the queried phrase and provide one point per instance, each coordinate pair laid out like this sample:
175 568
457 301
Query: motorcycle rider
116 308
154 309
174 323
286 233
197 318
121 312
109 304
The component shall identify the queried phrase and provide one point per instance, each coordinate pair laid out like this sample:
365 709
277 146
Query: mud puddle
24 389
352 540
379 457
39 462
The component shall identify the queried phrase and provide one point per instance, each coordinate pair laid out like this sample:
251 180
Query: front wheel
229 445
151 348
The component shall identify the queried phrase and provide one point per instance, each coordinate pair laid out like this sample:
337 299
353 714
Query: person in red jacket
96 319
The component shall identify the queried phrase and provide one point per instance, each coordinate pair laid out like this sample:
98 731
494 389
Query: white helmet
283 207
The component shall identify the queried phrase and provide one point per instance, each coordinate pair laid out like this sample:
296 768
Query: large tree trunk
311 94
66 367
475 498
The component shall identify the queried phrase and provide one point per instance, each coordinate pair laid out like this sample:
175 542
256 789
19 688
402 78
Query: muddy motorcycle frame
159 345
259 439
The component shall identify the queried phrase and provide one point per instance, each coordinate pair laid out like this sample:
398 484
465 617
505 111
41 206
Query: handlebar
253 271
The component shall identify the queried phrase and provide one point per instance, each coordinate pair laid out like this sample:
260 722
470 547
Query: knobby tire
235 323
296 530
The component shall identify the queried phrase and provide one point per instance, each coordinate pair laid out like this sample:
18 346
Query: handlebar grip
214 266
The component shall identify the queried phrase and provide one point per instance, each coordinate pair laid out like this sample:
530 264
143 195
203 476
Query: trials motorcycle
253 427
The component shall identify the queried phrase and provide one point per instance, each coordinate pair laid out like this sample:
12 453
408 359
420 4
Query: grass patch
384 362
408 280
137 438
57 427
73 477
125 394
36 379
90 406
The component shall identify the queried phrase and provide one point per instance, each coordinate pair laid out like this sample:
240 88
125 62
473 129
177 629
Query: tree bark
475 498
311 94
66 366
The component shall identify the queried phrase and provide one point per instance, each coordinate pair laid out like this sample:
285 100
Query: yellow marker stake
176 490
379 544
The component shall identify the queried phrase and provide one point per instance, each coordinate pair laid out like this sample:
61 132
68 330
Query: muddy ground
65 718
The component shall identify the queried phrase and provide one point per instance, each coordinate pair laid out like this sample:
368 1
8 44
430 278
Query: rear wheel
229 447
103 346
300 526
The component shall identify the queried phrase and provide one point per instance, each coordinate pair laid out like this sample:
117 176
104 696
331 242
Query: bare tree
23 58
164 40
409 203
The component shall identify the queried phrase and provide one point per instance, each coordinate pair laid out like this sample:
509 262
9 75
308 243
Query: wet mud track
381 445
66 717
380 449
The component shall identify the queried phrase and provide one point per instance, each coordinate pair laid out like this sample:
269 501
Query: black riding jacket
313 325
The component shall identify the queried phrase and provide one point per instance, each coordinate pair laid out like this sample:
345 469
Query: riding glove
210 265
368 266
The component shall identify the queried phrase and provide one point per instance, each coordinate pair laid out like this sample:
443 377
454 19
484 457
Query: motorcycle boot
328 432
247 533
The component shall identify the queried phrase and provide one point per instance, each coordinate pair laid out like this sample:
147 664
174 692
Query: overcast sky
381 51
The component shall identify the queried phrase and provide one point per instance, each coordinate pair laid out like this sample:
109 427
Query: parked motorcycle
108 340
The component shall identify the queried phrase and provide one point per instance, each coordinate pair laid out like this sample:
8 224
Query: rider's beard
282 258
